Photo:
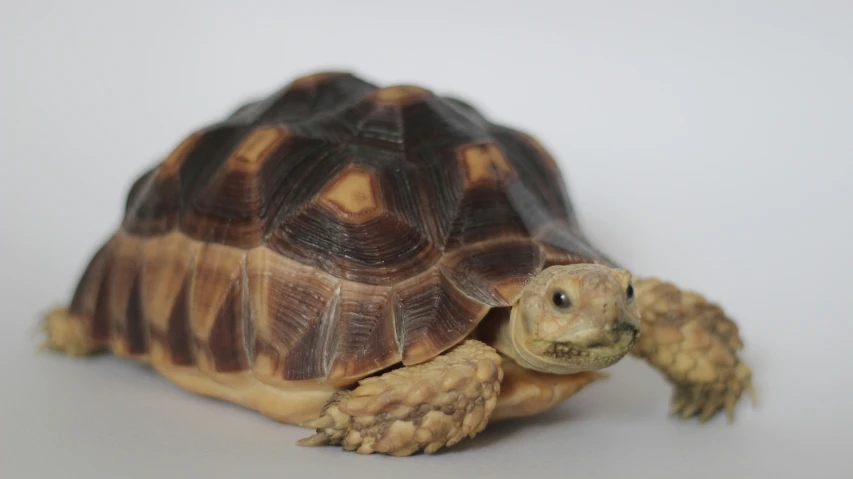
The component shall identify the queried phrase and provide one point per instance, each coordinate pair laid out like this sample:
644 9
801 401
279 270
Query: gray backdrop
705 142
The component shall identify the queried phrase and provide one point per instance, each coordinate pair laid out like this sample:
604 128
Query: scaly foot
707 399
66 333
695 344
425 406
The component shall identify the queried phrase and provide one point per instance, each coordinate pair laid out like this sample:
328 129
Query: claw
730 415
729 403
677 405
711 406
432 448
690 410
753 396
319 439
322 422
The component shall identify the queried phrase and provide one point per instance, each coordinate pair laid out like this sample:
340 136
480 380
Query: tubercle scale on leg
422 407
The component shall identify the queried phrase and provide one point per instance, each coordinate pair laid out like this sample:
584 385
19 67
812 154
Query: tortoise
385 266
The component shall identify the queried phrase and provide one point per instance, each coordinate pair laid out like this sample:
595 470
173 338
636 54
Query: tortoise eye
561 300
630 291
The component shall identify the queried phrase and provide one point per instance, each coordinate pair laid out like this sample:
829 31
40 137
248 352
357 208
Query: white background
709 143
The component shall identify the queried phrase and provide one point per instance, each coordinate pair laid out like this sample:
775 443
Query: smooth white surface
709 143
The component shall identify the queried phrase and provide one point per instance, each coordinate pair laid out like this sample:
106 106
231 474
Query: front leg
695 345
425 406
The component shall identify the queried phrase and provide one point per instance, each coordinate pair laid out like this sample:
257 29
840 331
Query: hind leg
67 333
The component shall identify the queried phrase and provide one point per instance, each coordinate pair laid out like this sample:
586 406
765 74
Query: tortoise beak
627 327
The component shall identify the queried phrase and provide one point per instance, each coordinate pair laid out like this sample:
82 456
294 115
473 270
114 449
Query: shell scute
153 203
127 336
216 309
360 226
367 336
495 272
169 263
234 204
90 293
434 315
294 310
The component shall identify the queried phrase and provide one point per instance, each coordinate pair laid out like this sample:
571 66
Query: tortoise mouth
599 354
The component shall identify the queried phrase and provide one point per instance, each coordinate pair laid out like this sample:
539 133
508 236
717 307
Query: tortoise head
574 318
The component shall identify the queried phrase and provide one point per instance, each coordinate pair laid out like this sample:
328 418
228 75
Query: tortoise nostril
622 326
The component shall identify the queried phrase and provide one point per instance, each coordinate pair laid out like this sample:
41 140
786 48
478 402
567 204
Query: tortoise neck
494 330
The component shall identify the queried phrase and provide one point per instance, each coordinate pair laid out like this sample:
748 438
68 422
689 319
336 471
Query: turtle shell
328 231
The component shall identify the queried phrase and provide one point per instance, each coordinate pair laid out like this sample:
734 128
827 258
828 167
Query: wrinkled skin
571 319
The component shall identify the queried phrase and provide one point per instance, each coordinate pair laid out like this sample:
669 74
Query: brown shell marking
217 310
367 332
232 206
90 295
129 332
108 298
484 210
153 202
494 273
293 309
166 280
296 322
358 228
434 315
309 324
328 231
